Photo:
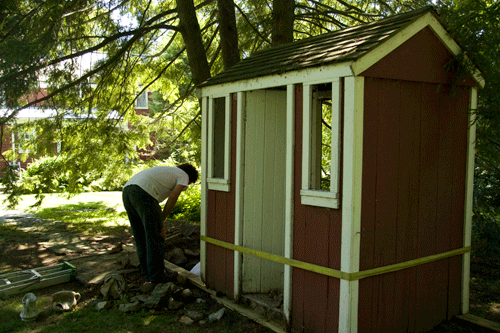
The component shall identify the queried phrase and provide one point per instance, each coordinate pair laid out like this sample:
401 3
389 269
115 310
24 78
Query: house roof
335 47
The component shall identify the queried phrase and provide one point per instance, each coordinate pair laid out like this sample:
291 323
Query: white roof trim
323 74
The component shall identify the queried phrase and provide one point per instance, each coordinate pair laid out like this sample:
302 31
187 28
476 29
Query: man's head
190 170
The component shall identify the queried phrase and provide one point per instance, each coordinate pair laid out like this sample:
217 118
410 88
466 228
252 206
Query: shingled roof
335 47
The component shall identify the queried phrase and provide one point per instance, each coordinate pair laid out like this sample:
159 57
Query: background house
375 239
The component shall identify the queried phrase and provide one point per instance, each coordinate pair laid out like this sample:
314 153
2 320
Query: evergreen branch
245 17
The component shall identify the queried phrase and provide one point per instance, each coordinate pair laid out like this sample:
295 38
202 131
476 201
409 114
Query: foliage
475 24
188 204
46 175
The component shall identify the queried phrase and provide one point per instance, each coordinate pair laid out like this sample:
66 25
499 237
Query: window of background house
142 101
321 144
21 140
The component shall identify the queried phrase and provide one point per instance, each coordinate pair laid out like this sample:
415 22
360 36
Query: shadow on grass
85 217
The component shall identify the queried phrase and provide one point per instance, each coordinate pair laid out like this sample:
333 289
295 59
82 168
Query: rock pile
129 293
126 294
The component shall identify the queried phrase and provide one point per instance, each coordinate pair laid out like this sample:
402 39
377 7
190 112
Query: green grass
86 217
85 318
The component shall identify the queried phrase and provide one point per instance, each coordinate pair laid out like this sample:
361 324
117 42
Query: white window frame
145 93
28 136
309 195
219 184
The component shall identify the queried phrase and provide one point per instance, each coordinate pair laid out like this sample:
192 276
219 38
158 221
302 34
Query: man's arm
169 205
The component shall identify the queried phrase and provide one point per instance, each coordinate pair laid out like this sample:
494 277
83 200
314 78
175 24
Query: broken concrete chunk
189 229
160 295
216 316
147 288
139 298
186 293
176 256
130 307
104 305
114 285
195 315
186 320
174 305
192 253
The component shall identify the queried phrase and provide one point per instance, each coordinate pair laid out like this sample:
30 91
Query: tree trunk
283 16
228 33
191 33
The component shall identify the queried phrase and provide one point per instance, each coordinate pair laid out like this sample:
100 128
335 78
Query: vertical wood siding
414 159
264 190
220 225
316 239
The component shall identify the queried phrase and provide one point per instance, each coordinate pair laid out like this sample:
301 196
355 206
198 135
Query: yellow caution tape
333 272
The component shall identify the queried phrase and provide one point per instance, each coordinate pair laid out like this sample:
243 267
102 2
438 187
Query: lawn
89 214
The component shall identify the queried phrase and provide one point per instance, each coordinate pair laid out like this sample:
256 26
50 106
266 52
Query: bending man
142 195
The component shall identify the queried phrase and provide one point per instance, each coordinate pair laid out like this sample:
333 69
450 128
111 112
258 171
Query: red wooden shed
338 172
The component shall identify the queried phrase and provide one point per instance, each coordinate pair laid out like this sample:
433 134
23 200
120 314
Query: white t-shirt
159 182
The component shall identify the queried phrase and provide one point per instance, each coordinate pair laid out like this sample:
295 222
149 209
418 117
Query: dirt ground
31 250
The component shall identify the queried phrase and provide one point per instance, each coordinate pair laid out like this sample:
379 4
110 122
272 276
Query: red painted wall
414 158
317 240
220 225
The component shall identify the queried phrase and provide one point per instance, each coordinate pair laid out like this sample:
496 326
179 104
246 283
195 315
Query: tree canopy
171 46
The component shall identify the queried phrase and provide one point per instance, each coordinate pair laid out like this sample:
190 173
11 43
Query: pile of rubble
128 292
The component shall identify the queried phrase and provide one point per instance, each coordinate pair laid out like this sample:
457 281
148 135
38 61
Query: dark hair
190 170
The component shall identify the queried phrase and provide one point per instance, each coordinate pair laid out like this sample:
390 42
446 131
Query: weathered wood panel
411 193
428 58
316 239
264 191
220 225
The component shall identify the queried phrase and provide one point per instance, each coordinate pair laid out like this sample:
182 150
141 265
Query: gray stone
192 253
160 295
130 307
216 316
186 320
114 285
139 298
186 293
195 315
174 305
176 256
103 305
147 288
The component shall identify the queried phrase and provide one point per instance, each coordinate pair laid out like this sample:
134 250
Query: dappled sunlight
495 308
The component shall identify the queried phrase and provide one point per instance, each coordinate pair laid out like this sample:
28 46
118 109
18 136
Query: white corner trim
289 176
469 187
351 202
203 208
240 172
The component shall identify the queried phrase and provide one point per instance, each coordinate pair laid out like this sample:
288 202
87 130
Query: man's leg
137 228
149 211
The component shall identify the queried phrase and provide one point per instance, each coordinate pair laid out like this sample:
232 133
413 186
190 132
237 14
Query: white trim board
351 202
204 189
469 187
320 74
240 173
